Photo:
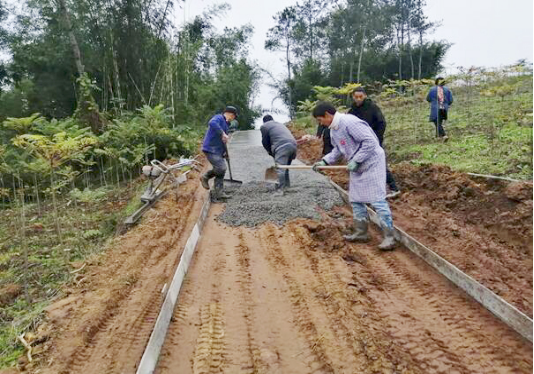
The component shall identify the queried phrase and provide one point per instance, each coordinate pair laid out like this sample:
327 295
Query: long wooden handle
306 167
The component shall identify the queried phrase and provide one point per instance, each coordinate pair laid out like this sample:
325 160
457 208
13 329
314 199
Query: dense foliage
333 43
132 55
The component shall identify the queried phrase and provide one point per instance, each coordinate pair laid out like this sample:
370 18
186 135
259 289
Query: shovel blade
271 175
233 182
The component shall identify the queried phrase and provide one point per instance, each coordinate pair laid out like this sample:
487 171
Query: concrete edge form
148 362
495 177
506 312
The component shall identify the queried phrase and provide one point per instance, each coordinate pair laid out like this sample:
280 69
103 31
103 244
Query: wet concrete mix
255 203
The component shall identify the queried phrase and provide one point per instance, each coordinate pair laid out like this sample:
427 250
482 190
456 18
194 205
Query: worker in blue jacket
440 98
214 147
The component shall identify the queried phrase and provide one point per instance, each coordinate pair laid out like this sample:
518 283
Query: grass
487 135
86 227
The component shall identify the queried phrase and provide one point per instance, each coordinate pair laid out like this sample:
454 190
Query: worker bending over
214 147
353 139
280 144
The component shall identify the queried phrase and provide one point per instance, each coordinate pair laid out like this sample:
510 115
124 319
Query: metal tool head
233 182
271 174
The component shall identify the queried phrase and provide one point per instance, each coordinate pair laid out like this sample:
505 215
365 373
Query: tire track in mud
198 301
348 312
259 337
135 335
420 346
81 355
209 349
441 329
124 348
242 252
478 330
318 359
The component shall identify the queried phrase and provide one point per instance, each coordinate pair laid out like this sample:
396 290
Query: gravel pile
254 203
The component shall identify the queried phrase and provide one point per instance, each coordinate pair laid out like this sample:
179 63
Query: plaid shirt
353 139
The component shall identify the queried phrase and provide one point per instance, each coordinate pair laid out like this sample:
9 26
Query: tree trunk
410 47
54 203
25 248
420 54
290 96
311 37
162 23
362 44
118 94
399 47
37 194
351 69
72 37
172 93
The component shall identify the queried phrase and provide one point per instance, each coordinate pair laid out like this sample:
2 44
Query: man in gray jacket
280 144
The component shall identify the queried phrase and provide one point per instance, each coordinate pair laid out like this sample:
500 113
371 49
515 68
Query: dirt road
298 299
103 324
274 300
293 298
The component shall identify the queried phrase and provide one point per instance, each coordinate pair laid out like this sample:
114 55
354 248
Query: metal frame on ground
506 312
510 315
157 338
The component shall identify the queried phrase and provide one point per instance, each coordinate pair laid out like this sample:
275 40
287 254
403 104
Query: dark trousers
327 143
442 116
284 156
390 181
218 170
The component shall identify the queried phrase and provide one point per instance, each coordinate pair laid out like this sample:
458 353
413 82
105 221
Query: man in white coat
353 139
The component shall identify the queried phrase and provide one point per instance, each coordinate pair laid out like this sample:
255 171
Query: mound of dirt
8 293
519 191
503 207
310 151
484 227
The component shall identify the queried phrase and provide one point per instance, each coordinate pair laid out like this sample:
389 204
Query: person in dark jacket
324 134
281 145
365 109
214 147
440 98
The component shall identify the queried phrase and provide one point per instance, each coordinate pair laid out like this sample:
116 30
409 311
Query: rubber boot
204 180
218 196
279 192
388 243
360 232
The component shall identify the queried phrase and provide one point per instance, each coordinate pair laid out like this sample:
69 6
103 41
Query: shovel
231 180
272 176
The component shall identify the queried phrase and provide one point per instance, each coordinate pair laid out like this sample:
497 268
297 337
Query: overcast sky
487 33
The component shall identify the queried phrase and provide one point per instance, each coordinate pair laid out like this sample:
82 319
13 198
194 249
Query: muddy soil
484 227
290 299
105 320
298 299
